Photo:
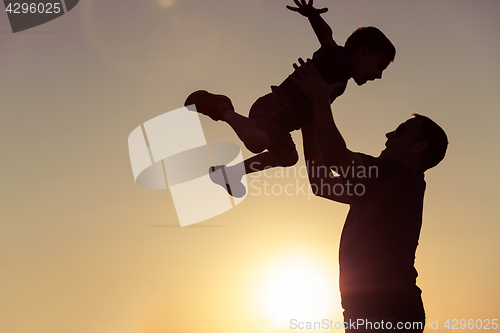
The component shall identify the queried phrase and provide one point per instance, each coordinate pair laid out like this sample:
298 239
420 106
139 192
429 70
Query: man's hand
306 8
311 82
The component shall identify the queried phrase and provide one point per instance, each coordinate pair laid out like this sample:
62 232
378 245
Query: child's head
371 52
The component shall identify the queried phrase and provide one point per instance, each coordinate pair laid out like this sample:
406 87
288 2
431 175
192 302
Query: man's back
379 240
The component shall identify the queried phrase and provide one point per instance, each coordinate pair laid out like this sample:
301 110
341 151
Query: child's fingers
292 8
297 3
311 67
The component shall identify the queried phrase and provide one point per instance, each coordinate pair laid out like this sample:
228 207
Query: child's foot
209 104
231 183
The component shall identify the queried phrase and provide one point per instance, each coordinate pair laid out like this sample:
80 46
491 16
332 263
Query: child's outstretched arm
320 27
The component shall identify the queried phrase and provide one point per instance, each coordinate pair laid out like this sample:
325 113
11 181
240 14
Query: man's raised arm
332 146
323 183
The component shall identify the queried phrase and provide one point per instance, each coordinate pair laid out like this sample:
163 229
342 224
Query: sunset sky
83 249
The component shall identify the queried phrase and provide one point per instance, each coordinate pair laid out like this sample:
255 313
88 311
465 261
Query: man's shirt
379 240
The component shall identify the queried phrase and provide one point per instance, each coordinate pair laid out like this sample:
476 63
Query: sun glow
296 289
166 3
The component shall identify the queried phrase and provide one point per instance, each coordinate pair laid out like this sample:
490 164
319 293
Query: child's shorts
269 112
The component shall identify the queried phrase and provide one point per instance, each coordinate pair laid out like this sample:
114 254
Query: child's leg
231 179
281 154
220 107
268 160
254 138
264 129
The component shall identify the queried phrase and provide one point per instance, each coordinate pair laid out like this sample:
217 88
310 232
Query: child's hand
306 9
311 82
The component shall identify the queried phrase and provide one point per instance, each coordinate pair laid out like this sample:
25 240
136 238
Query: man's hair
371 38
436 139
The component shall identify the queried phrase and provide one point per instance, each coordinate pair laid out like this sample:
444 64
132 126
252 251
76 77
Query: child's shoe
209 104
230 182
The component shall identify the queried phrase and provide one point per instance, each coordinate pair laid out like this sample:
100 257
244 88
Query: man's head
371 52
418 142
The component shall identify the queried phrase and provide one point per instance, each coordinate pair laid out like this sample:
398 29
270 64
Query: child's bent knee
257 143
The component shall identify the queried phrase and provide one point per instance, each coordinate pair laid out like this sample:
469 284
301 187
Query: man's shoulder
387 169
383 162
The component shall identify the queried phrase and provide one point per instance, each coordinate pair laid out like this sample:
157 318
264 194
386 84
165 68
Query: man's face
401 141
368 66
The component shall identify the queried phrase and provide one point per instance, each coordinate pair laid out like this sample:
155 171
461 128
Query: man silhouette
380 234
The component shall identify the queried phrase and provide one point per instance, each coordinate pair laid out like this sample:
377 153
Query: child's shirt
333 67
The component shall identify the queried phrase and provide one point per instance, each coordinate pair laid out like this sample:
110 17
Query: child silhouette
365 55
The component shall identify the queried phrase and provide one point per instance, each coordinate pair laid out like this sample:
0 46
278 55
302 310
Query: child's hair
371 38
436 139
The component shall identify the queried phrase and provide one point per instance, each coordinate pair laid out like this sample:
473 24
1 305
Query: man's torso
379 240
